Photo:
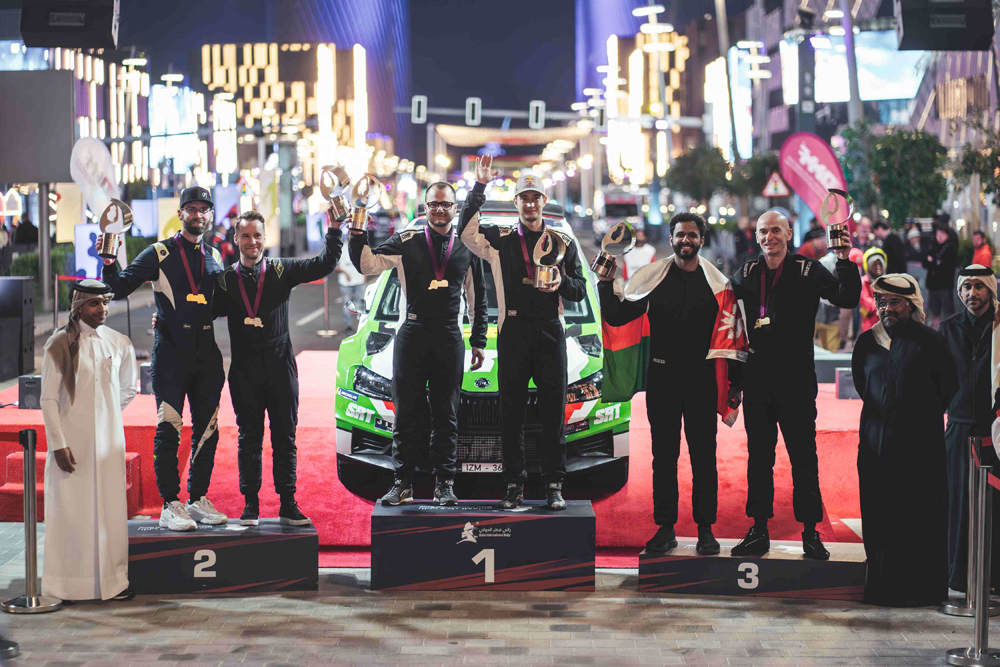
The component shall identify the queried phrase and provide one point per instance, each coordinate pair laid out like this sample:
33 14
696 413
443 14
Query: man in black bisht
905 375
253 294
969 336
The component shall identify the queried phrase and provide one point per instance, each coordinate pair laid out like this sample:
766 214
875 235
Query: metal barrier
968 608
32 602
8 649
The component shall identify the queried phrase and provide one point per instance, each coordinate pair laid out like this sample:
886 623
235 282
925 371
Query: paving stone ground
345 624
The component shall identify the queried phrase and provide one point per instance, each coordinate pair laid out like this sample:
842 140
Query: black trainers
124 596
401 492
813 547
664 540
553 496
756 543
444 492
707 544
513 497
290 515
251 512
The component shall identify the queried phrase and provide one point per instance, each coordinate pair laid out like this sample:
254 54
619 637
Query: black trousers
266 381
201 381
956 438
536 350
426 364
791 404
667 400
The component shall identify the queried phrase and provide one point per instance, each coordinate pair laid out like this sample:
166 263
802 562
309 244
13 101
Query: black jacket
280 277
784 347
895 253
184 324
501 247
406 251
941 266
971 343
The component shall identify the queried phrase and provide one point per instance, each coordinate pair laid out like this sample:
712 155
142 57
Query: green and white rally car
597 433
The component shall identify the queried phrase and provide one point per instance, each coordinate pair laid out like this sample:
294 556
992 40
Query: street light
655 28
648 10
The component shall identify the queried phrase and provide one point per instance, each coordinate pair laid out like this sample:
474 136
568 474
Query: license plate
482 467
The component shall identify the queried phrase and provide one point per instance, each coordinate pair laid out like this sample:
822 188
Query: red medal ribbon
195 289
438 271
260 290
529 266
764 303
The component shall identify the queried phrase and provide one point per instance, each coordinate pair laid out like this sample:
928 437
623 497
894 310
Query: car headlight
587 389
370 383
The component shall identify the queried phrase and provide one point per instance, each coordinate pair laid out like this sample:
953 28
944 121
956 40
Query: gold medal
253 322
197 298
438 283
528 281
762 322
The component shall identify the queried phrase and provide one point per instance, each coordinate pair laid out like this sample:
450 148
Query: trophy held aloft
117 215
335 184
616 242
366 195
835 230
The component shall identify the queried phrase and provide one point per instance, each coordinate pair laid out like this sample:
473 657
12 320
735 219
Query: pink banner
810 169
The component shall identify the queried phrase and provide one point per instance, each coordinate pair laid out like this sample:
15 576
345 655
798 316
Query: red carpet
624 520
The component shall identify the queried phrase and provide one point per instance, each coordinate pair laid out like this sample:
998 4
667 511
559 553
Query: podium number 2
487 555
749 578
204 559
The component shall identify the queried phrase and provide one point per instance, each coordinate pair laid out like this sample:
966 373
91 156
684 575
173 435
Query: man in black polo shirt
780 294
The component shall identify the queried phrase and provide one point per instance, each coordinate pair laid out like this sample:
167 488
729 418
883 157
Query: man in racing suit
780 294
531 340
186 360
253 294
433 267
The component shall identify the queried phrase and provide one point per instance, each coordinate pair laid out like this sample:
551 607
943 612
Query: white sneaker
175 517
204 511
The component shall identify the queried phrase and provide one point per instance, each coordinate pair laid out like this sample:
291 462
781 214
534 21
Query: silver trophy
366 195
117 213
617 241
835 230
549 252
335 184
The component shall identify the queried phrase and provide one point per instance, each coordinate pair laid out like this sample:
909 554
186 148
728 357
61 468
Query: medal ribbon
529 266
764 303
195 289
439 271
260 290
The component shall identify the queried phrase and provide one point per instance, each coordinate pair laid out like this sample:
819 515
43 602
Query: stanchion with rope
968 608
32 602
326 331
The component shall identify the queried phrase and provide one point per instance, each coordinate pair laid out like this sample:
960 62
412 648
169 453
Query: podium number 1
487 555
204 559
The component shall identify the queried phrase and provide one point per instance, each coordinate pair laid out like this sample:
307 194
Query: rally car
597 433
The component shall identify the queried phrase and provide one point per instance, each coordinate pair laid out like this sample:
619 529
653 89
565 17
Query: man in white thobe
89 375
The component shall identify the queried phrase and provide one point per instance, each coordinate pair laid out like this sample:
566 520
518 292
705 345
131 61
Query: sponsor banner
809 166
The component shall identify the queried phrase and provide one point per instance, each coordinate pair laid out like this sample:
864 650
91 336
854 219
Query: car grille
483 410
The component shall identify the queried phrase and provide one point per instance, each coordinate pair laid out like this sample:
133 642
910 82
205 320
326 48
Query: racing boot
289 513
813 547
444 492
553 496
513 498
664 540
756 543
401 492
251 512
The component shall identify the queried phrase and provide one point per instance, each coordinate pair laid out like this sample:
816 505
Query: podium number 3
749 578
487 555
204 559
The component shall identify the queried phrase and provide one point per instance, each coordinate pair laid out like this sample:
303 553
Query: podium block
782 572
423 547
228 558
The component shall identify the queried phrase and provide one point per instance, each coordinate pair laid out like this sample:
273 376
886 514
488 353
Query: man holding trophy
531 340
434 267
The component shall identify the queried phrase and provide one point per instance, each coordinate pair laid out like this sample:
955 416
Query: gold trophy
365 196
835 230
334 184
549 252
117 213
616 242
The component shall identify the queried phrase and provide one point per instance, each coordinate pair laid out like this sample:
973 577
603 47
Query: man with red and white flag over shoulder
692 365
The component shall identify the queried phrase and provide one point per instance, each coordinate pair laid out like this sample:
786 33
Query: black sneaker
290 515
553 496
251 512
124 596
756 543
513 497
813 547
664 540
401 492
444 492
707 544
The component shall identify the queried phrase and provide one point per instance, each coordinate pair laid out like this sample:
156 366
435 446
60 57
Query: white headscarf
904 285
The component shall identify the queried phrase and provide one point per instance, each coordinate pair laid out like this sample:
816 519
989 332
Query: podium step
227 558
15 467
782 572
421 546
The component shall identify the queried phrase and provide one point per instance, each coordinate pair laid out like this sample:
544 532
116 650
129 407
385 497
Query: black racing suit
186 361
263 374
780 379
971 413
680 382
531 341
429 354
